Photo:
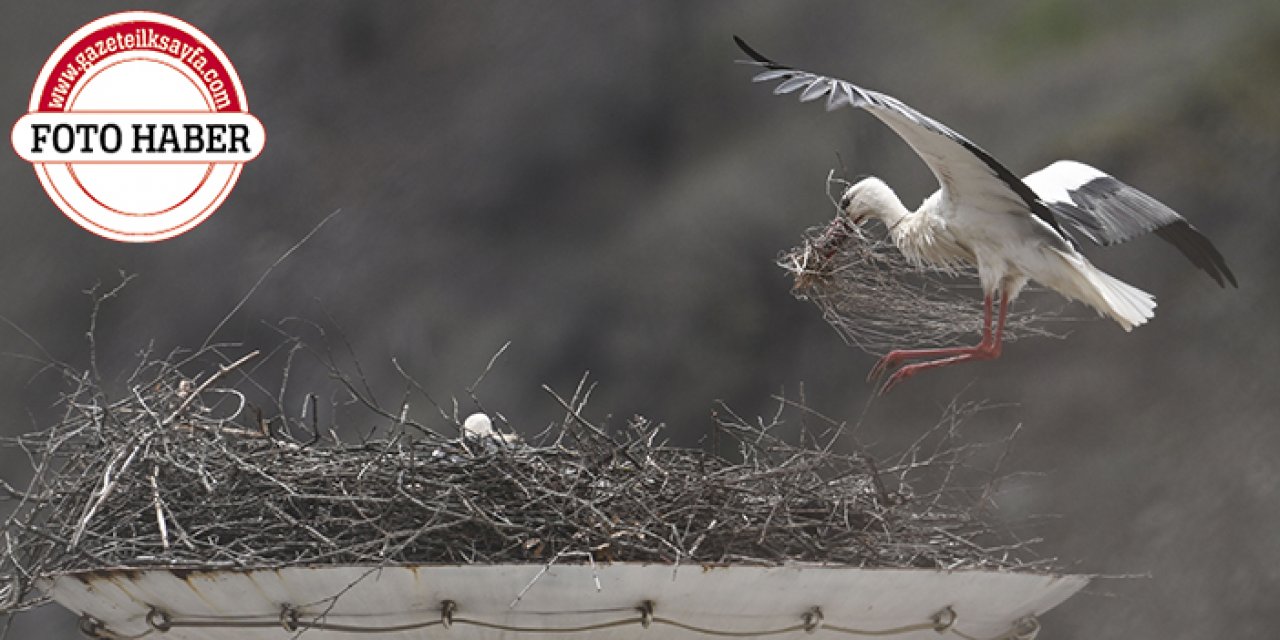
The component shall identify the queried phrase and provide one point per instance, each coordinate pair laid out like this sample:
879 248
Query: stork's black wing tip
1231 277
1222 273
1199 250
755 55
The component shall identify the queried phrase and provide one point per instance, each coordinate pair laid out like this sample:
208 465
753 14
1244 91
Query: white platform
742 599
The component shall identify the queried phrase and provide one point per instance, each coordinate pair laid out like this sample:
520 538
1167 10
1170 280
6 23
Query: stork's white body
1008 247
1013 230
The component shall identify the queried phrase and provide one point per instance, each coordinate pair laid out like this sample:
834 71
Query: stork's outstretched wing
968 175
1106 211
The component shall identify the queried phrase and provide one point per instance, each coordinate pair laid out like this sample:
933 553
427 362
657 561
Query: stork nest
878 301
182 470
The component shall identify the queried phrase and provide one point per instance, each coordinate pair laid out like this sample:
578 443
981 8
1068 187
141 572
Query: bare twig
222 370
249 294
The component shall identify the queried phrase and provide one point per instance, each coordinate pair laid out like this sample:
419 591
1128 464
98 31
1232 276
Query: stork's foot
889 361
966 354
898 377
945 354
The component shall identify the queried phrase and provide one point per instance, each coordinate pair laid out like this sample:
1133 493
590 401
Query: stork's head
871 197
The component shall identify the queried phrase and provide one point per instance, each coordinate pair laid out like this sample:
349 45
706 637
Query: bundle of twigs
877 300
182 471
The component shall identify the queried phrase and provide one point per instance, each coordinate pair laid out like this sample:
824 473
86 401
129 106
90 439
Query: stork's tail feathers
1124 303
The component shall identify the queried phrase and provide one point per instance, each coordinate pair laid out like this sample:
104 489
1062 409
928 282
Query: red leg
988 349
899 356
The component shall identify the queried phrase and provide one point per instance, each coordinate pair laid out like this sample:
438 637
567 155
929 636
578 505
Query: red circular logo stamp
138 127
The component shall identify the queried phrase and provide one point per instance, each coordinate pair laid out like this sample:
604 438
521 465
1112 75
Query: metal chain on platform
160 623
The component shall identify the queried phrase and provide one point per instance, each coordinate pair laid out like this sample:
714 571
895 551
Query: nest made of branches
877 300
180 470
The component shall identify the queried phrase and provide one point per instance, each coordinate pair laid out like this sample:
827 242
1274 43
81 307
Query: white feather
1054 182
1124 303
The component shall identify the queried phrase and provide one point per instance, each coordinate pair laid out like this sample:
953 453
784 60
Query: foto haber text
141 138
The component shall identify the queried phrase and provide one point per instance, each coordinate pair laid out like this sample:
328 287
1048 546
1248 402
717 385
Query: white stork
1012 230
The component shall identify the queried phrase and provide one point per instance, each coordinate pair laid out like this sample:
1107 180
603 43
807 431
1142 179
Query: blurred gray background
597 183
